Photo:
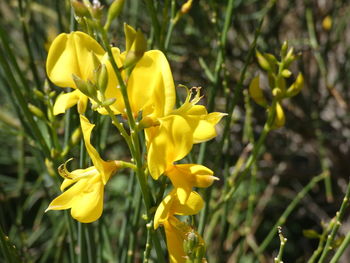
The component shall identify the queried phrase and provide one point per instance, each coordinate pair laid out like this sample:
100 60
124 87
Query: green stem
155 23
283 241
338 219
319 249
341 249
288 211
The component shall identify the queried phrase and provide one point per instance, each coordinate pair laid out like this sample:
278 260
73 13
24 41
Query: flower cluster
79 62
277 72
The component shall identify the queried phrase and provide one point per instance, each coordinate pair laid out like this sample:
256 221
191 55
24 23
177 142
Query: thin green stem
341 249
155 23
283 241
288 211
338 219
323 239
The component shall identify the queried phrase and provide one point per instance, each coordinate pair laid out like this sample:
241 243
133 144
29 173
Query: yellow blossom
85 195
173 137
176 230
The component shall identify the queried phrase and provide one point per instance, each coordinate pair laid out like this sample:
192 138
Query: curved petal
72 54
192 206
88 205
163 211
205 129
167 143
175 232
105 168
186 176
151 85
66 199
65 101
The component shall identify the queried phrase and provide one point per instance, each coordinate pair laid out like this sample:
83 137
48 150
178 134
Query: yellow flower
186 176
177 131
79 54
72 54
85 196
175 230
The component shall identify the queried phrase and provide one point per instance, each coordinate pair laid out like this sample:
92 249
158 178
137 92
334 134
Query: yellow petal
88 206
279 117
66 100
205 129
66 199
176 232
167 143
151 85
163 211
192 206
186 176
105 168
72 54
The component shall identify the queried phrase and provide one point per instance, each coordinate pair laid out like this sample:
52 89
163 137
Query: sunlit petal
169 142
66 100
71 54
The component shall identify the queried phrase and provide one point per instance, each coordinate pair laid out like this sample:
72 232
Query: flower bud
80 9
284 49
76 135
296 87
185 8
279 116
286 73
108 102
256 93
102 79
114 11
36 111
327 23
263 62
80 84
136 51
130 34
39 94
290 57
276 92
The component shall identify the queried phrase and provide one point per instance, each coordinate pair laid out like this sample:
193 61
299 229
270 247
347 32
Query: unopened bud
113 12
80 9
39 94
279 116
95 60
327 23
284 49
102 79
263 62
138 48
49 166
130 34
286 73
290 57
276 92
80 84
76 135
186 7
190 244
256 92
108 102
296 87
36 111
